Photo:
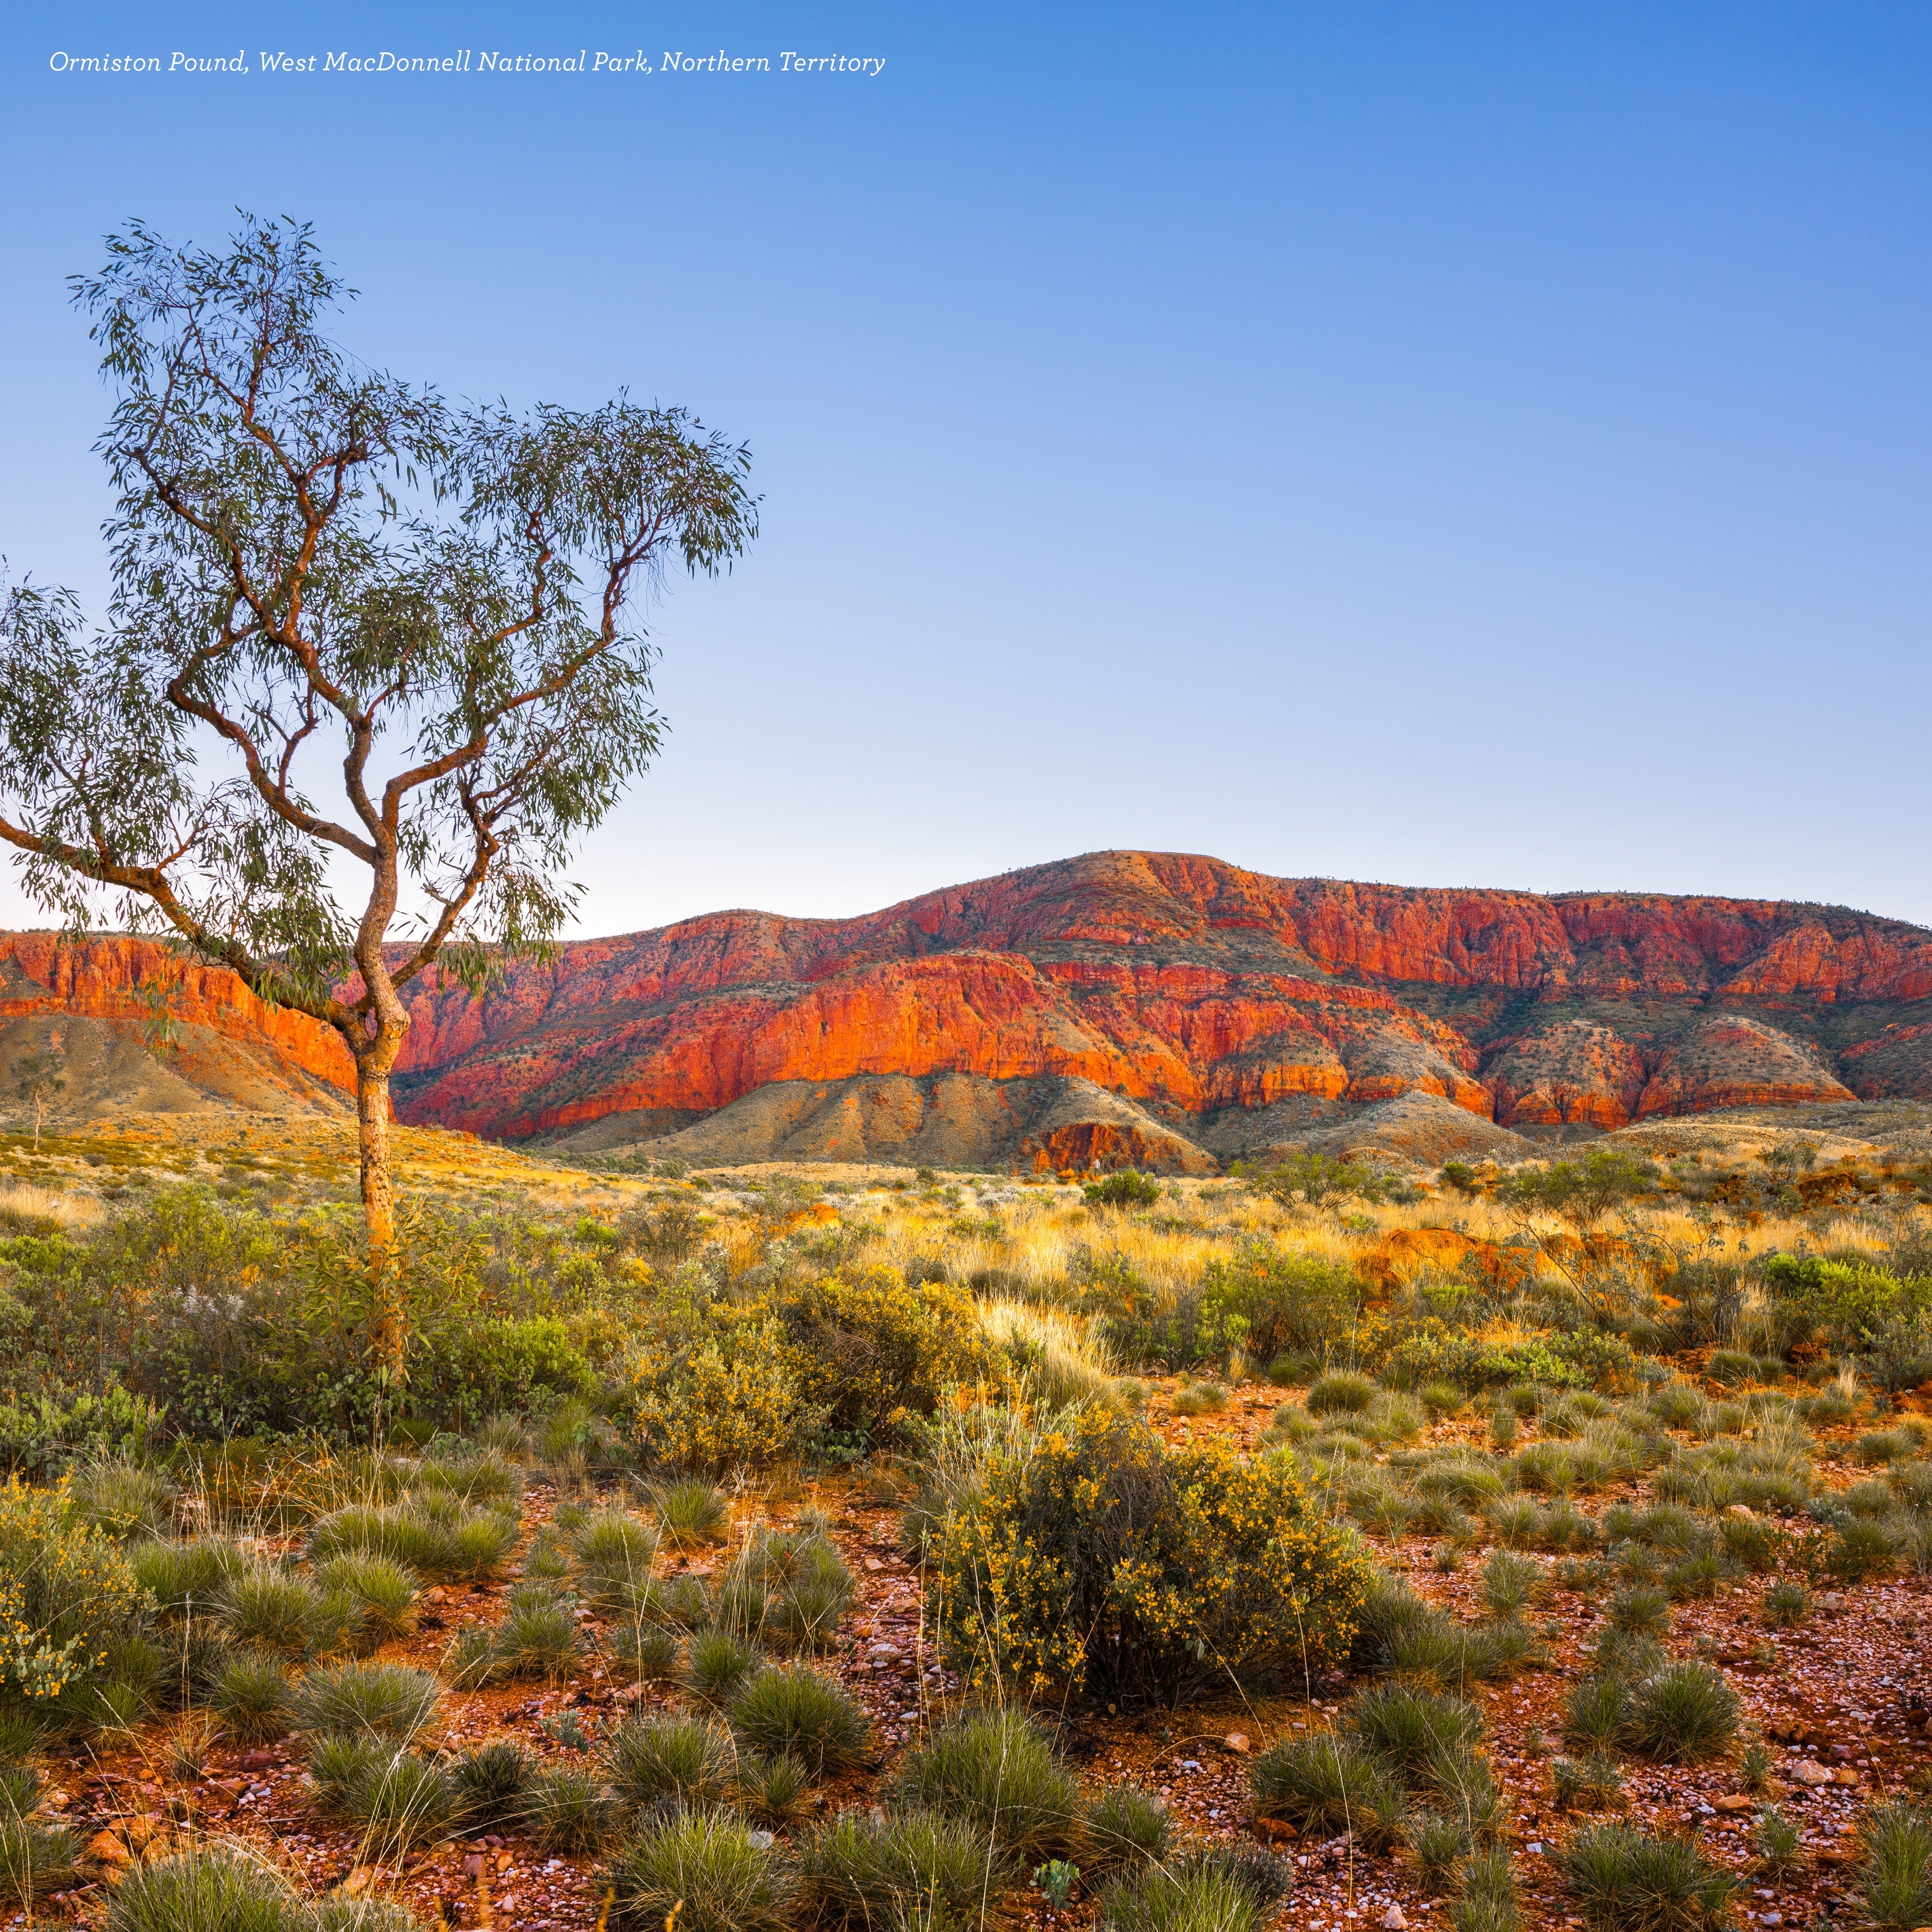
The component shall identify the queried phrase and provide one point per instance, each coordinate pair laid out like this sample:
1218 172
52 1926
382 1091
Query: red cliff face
1183 983
107 978
1187 986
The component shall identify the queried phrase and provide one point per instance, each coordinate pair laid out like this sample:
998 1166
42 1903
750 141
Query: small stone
1772 1918
1737 1801
107 1847
357 1881
873 1564
1393 1920
1190 1764
1806 1772
1236 1742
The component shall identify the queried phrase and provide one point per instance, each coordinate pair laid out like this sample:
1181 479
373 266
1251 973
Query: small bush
186 1578
1510 1583
1786 1605
1342 1392
717 1663
1595 1712
1776 1842
1195 1895
124 1500
905 1870
537 1637
705 1868
1895 1871
1126 1189
1200 1398
1330 1783
1488 1900
1124 1826
1628 1881
788 1587
1684 1715
385 1700
570 1813
1132 1570
650 1759
691 1511
797 1712
1641 1610
1751 1543
208 1890
381 1596
996 1770
1586 1783
253 1696
1407 1728
276 1610
400 1801
491 1786
772 1790
1862 1551
645 1650
35 1858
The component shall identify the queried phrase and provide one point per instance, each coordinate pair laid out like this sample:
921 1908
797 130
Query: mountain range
1164 1009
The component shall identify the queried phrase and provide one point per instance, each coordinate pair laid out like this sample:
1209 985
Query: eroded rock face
1731 1061
1179 988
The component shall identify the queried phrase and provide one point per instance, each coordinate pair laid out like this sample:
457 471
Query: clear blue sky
1484 445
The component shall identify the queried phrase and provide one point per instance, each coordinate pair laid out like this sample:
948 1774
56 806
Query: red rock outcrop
110 977
1730 1061
1575 1072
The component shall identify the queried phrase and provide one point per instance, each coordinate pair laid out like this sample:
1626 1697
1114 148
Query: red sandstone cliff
1181 985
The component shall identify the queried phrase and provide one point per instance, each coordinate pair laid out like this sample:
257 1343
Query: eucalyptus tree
371 662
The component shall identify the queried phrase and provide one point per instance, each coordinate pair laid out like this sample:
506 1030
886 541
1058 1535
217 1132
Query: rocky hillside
1165 1009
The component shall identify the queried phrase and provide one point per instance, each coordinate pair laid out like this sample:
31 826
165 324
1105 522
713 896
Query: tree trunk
389 1328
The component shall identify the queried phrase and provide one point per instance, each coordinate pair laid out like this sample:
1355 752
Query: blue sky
1481 446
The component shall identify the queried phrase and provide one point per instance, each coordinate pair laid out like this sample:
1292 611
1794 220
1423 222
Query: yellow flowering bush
68 1593
1101 1561
873 1351
712 1384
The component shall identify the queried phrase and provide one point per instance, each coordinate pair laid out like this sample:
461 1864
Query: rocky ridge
1164 1008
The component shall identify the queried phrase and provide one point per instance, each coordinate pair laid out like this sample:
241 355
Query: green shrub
385 1700
704 1867
490 1787
1776 1841
1586 1783
1684 1715
614 1552
788 1588
1409 1728
691 1511
400 1802
36 1858
210 1889
1752 1544
717 1663
645 1650
1124 1826
1126 1189
253 1696
772 1790
185 1576
1488 1900
570 1813
124 1500
469 1662
1342 1392
1200 1398
796 1712
996 1770
1595 1712
1206 1893
1895 1869
1860 1552
537 1637
1630 1881
1641 1610
1133 1571
649 1758
1786 1605
338 1765
1510 1583
451 1543
905 1870
67 1595
277 1611
1330 1783
380 1597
